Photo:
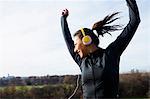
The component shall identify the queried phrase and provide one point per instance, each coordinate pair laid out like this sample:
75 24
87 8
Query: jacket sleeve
119 45
69 41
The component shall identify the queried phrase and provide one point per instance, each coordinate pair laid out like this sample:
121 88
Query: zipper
94 82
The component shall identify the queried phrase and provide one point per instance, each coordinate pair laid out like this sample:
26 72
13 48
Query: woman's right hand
65 13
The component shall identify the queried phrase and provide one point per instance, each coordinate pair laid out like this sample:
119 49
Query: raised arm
67 37
119 45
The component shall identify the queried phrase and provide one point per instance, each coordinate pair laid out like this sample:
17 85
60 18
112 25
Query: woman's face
80 48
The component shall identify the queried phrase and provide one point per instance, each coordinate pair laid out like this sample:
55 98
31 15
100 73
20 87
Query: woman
100 67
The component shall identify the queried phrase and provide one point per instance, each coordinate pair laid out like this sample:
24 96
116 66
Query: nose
75 49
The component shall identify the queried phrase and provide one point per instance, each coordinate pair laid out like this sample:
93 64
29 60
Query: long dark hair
102 27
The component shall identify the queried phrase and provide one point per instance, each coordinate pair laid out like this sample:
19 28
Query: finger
62 13
66 9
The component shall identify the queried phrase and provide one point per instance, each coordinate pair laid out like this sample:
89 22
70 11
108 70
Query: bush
132 85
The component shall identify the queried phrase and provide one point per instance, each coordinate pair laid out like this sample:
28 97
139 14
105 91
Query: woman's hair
102 27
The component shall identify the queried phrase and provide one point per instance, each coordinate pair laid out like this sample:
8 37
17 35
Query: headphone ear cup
87 40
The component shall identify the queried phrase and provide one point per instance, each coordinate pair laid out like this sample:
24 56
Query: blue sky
31 40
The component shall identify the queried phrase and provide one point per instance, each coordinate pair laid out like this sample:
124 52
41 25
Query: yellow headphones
86 38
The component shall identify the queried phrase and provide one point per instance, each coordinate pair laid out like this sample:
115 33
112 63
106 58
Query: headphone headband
83 33
86 38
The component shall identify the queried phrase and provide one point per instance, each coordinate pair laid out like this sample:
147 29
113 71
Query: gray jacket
100 70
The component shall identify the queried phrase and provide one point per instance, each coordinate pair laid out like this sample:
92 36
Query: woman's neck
92 48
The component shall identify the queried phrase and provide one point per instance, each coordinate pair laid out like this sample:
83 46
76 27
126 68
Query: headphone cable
77 86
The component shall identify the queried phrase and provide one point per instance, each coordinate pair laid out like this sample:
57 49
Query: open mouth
78 51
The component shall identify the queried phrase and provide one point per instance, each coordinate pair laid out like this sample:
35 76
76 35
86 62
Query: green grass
23 87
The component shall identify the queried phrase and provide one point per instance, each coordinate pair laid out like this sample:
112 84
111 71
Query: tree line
132 85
